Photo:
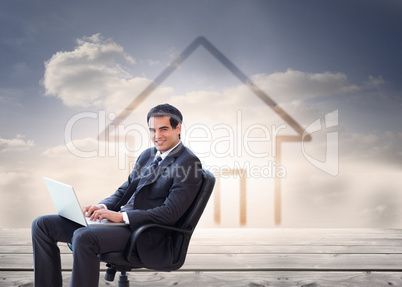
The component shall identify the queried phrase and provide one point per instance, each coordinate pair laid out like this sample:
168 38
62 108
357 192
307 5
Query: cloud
94 74
22 185
16 144
11 96
87 165
290 89
11 177
381 147
85 146
153 62
374 82
292 84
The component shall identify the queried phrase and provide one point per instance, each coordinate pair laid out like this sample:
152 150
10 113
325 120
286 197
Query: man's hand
89 209
113 216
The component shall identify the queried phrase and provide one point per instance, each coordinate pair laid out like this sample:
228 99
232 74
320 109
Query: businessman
159 190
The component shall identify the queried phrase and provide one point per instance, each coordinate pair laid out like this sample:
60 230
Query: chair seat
119 259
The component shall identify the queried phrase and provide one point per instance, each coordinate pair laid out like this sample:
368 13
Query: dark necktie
150 171
147 174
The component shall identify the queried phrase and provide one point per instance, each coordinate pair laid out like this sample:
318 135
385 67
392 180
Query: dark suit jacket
163 200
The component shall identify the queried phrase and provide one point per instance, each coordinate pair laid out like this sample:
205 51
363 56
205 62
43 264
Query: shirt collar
166 153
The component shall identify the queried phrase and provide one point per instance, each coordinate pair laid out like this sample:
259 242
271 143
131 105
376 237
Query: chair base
123 278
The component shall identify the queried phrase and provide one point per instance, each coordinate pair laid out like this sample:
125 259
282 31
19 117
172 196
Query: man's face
163 135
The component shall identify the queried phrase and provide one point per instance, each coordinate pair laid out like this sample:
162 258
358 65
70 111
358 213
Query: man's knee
39 224
83 238
54 227
36 223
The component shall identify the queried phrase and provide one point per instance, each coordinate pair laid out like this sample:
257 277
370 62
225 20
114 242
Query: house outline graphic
202 41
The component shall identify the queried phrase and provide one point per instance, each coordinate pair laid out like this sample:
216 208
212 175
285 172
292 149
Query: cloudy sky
70 68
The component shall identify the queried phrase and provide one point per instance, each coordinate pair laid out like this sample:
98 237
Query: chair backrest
190 219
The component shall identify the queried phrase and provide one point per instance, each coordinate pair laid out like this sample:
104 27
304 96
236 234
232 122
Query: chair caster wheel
110 273
123 280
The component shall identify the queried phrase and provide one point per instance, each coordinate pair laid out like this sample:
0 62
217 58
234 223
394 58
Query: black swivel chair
181 234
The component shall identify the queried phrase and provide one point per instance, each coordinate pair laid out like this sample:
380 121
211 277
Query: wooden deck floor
248 257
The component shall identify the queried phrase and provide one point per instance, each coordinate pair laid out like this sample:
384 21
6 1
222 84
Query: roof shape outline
202 41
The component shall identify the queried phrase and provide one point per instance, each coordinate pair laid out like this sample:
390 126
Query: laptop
67 205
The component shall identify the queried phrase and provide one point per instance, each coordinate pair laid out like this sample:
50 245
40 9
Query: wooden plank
233 279
302 249
6 234
271 242
267 262
256 237
225 232
305 232
368 262
252 249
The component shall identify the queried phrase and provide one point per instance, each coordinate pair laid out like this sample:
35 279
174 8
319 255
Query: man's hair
166 110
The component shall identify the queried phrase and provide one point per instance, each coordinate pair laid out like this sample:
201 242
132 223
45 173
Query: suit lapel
170 159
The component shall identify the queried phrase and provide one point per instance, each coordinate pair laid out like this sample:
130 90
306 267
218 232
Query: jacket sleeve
112 202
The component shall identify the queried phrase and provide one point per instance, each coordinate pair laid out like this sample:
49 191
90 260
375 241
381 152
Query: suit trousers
87 243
